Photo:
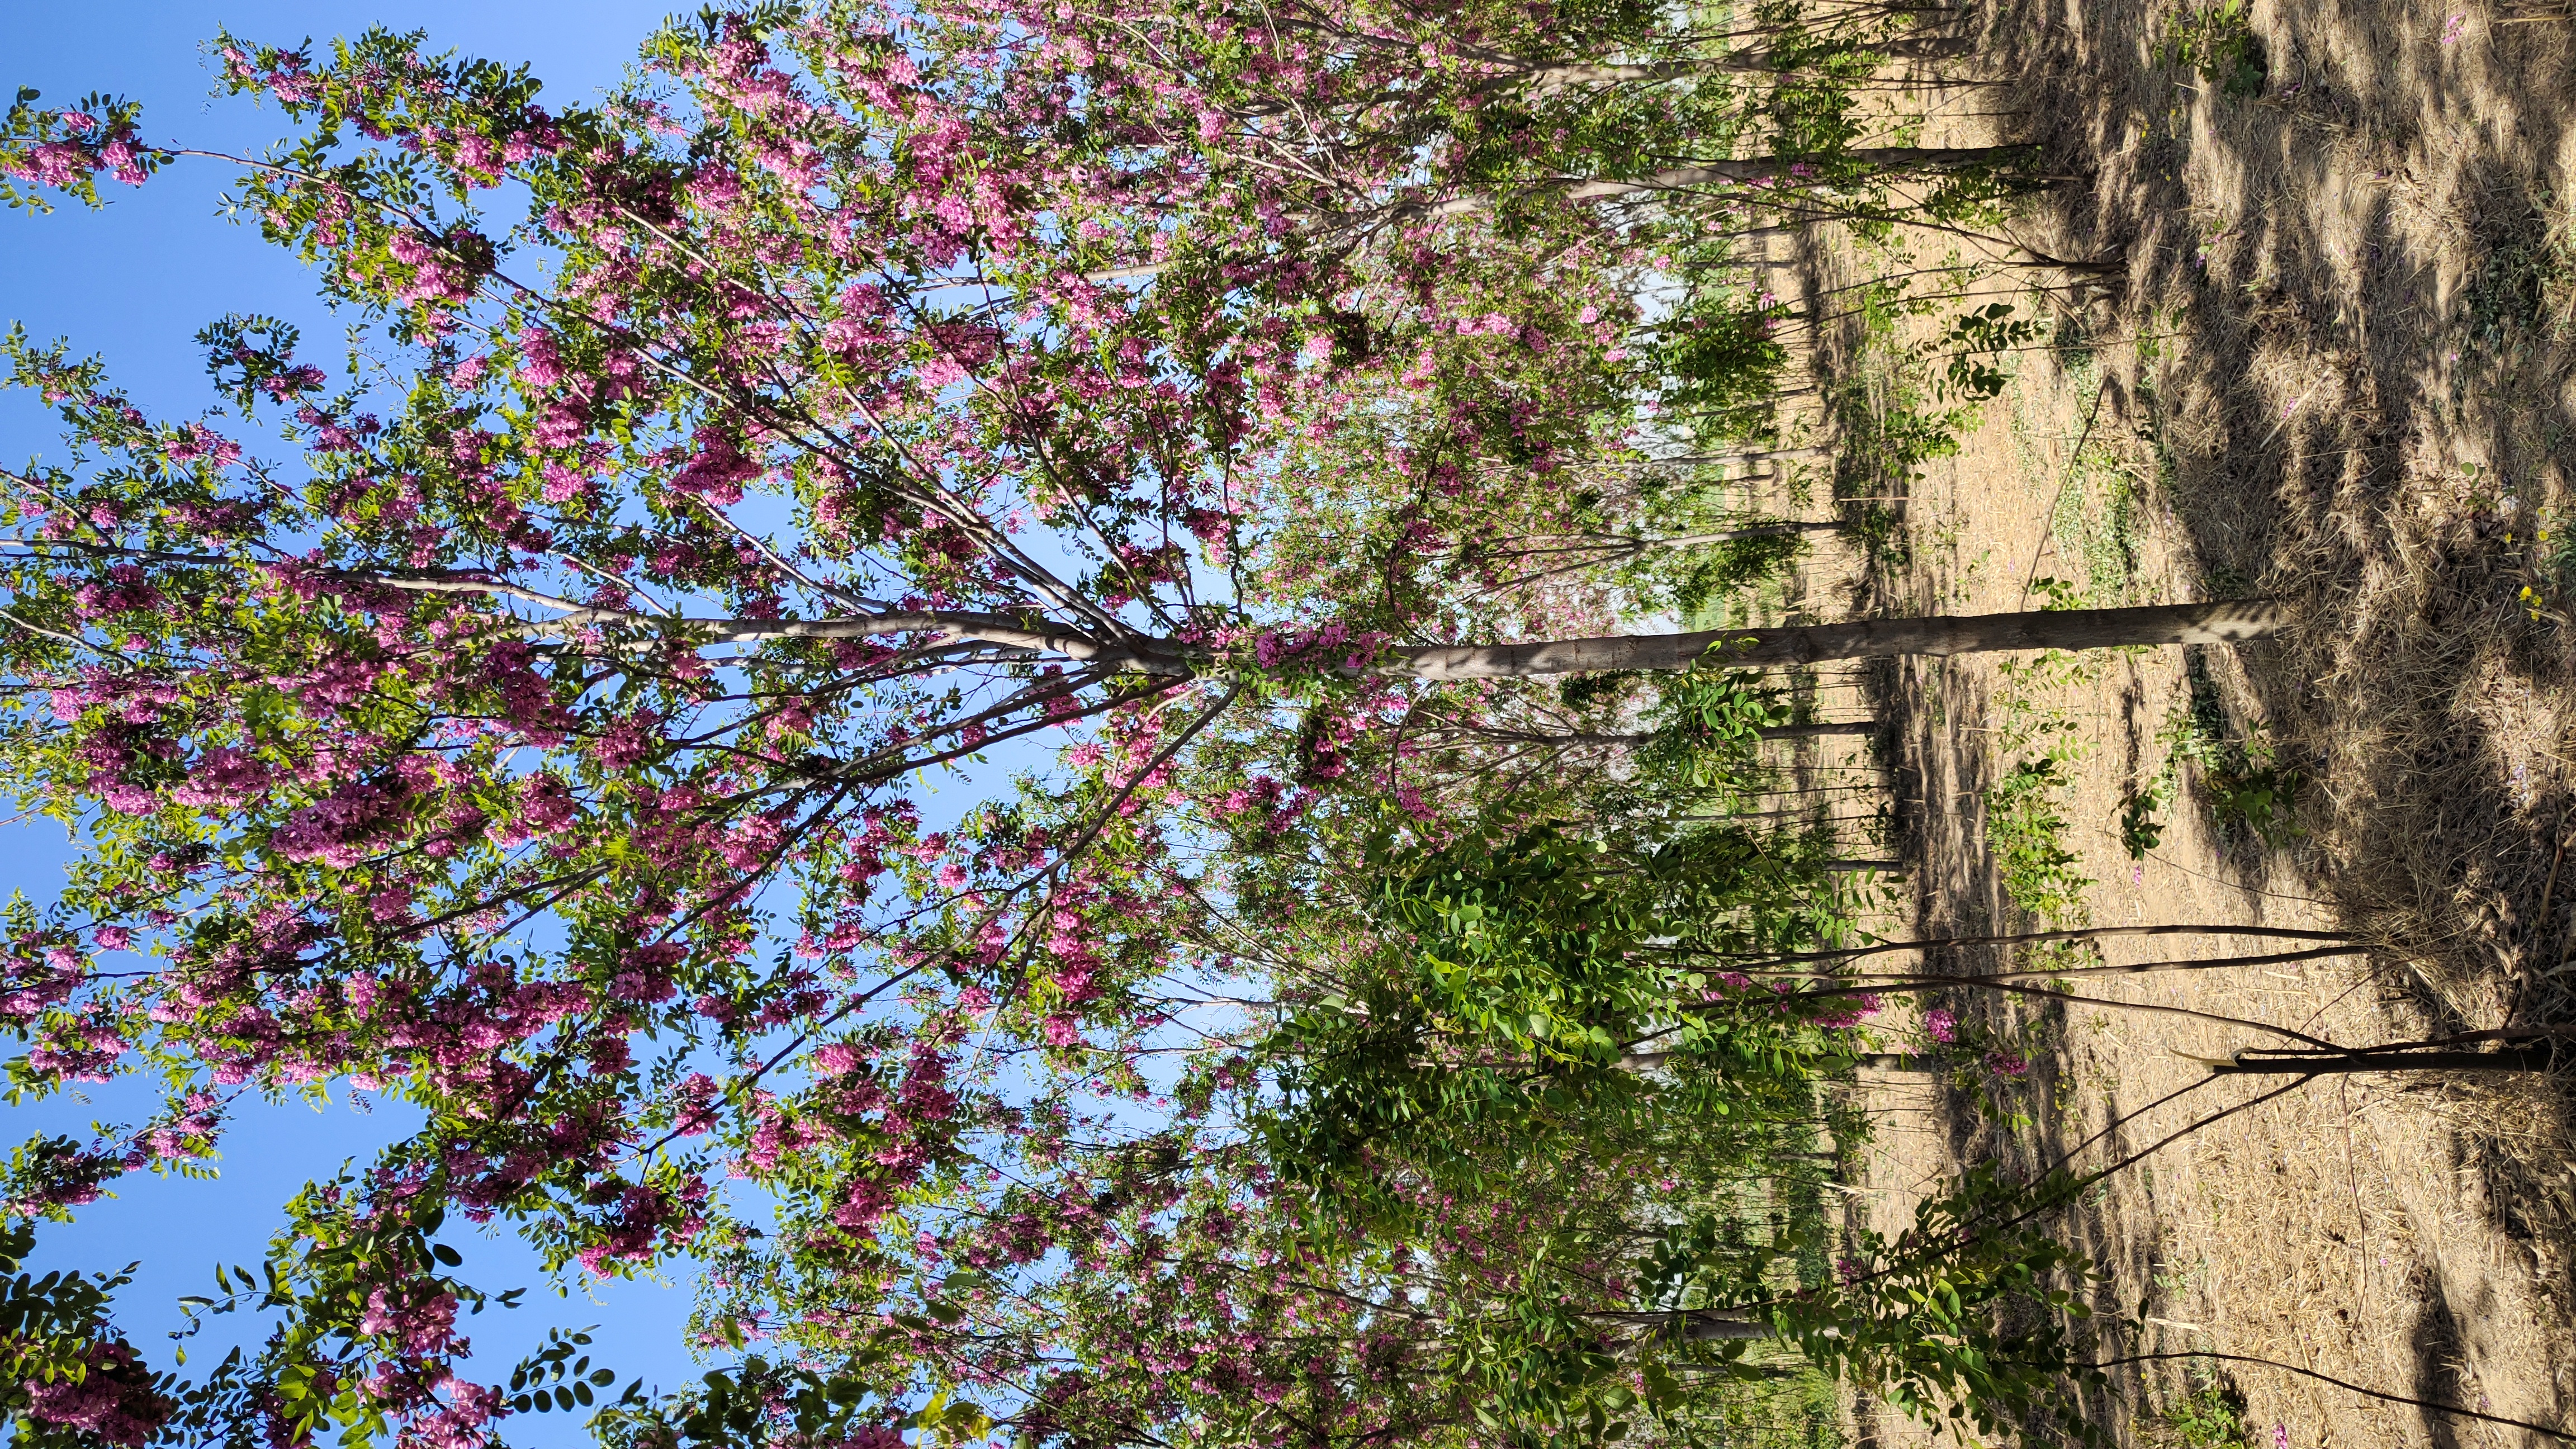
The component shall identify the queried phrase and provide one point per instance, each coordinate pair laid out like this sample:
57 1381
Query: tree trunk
1547 80
1896 1062
2535 1057
1708 1327
1771 168
1818 731
2223 623
1752 169
1544 80
1737 535
1699 1325
1774 455
1875 1061
1766 732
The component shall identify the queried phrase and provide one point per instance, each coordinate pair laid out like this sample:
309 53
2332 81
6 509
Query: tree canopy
1212 430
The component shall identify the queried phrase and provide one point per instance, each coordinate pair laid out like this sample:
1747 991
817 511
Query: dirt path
2338 372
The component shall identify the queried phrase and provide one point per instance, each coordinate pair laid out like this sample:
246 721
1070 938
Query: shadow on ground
2351 294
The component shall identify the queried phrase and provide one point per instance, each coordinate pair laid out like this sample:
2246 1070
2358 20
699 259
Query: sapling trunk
2534 1057
2085 933
1705 1328
1875 1061
1733 535
1700 1325
1543 80
1768 455
1896 1062
1820 730
1832 729
1753 170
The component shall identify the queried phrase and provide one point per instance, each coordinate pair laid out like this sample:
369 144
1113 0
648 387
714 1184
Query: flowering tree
1340 129
534 740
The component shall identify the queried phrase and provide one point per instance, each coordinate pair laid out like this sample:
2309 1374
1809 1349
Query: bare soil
2335 370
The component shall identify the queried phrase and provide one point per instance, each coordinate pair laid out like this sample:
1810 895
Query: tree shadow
2362 287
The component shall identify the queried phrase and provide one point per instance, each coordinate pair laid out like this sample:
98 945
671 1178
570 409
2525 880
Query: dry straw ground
2337 370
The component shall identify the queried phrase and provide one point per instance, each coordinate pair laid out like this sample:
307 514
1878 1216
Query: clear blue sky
133 282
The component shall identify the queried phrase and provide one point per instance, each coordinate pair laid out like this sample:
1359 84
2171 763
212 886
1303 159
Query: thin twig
2437 1407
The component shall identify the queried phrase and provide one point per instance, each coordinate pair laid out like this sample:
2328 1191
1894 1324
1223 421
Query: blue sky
133 283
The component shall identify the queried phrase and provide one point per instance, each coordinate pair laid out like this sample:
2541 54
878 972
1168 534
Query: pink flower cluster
1333 646
113 1402
62 150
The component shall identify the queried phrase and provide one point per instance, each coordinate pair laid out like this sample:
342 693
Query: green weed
1732 566
2095 500
2219 42
2073 343
2057 595
2021 682
1988 1061
2026 830
2095 524
2025 823
2251 790
2140 828
1968 344
2209 1417
1888 420
2524 282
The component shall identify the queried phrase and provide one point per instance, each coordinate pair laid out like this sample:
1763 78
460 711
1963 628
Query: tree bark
1697 1324
965 631
1896 1062
2222 623
1708 1327
1875 1061
1750 169
2535 1057
1774 455
1738 535
1817 731
1544 80
1766 732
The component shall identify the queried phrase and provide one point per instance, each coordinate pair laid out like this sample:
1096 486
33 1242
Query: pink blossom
114 1401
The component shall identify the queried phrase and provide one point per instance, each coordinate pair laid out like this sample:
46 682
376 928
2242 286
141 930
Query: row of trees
1375 1006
